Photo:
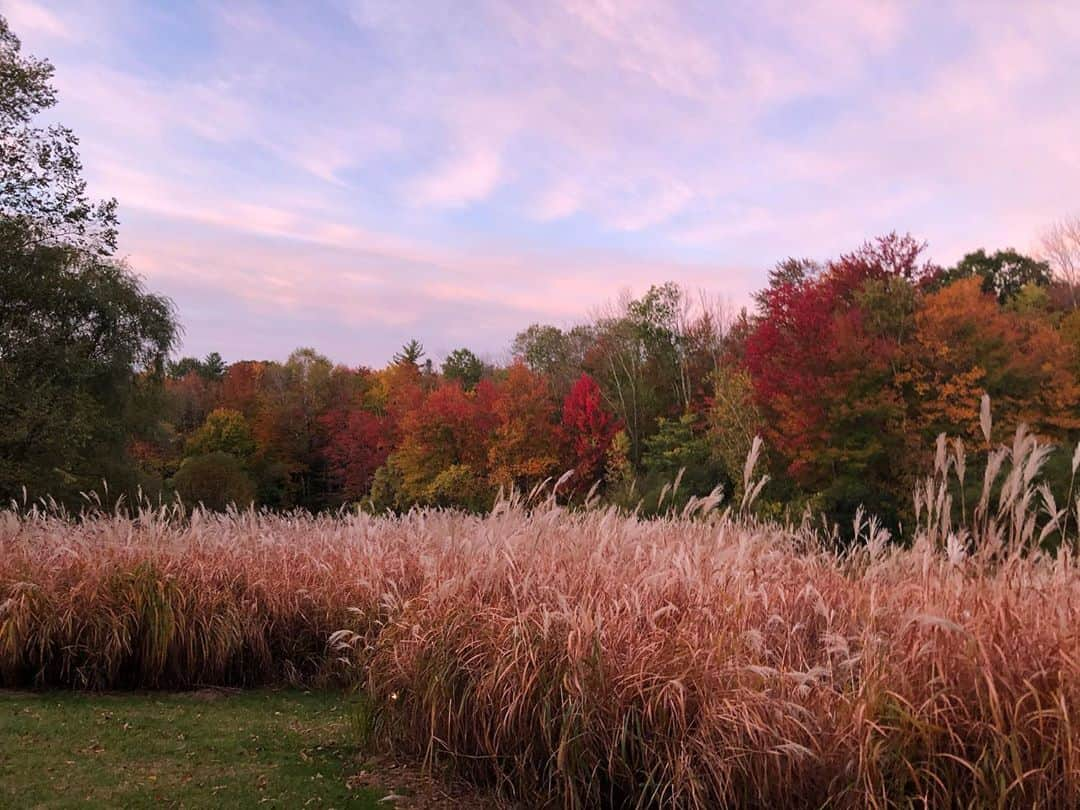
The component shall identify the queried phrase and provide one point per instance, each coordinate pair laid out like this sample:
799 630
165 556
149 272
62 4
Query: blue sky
353 174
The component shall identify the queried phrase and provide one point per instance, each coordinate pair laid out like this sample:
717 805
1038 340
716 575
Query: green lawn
252 749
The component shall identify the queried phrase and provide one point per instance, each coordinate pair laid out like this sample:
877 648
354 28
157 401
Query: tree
635 358
1004 273
659 318
189 400
588 430
621 483
652 357
361 433
225 431
464 367
617 361
74 333
734 419
81 341
212 369
288 428
966 345
410 353
556 354
679 453
43 200
822 355
791 272
359 444
1070 336
459 487
216 480
524 448
240 387
1061 249
449 427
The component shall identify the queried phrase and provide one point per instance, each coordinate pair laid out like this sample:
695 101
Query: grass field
585 658
252 749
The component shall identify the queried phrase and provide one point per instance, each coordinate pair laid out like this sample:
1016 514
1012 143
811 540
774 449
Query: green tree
43 199
79 344
734 419
82 343
410 353
225 431
211 369
464 367
216 480
290 431
1004 273
640 359
459 487
679 453
554 353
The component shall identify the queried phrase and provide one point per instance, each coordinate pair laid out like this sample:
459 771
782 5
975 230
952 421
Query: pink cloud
462 180
26 16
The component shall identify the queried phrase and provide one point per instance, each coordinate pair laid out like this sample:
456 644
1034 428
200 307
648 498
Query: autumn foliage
588 428
849 369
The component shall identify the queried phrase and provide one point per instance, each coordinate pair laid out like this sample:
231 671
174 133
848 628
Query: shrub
216 480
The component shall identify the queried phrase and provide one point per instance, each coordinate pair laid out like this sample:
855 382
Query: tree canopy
81 340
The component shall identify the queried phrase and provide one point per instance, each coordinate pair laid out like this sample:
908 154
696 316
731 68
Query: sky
352 174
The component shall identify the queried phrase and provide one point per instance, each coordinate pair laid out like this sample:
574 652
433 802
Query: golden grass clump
589 658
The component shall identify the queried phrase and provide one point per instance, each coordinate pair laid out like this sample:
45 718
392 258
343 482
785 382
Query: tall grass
594 659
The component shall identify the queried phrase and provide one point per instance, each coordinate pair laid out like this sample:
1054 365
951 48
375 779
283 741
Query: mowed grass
251 749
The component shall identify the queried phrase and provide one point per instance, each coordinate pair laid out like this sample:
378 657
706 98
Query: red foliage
809 349
240 387
359 442
449 427
588 429
192 399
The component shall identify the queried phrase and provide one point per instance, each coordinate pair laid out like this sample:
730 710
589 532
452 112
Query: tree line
848 368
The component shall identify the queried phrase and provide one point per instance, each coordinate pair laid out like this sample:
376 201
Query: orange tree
524 448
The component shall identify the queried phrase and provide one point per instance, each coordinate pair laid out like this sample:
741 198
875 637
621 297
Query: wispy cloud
29 17
462 179
371 171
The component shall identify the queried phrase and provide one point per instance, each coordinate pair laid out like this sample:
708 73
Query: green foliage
554 353
1070 336
680 453
1032 299
464 367
791 272
81 341
216 480
79 344
44 201
1004 273
225 431
734 419
387 489
211 369
410 353
459 487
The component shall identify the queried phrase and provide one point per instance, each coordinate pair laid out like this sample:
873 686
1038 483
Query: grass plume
591 658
